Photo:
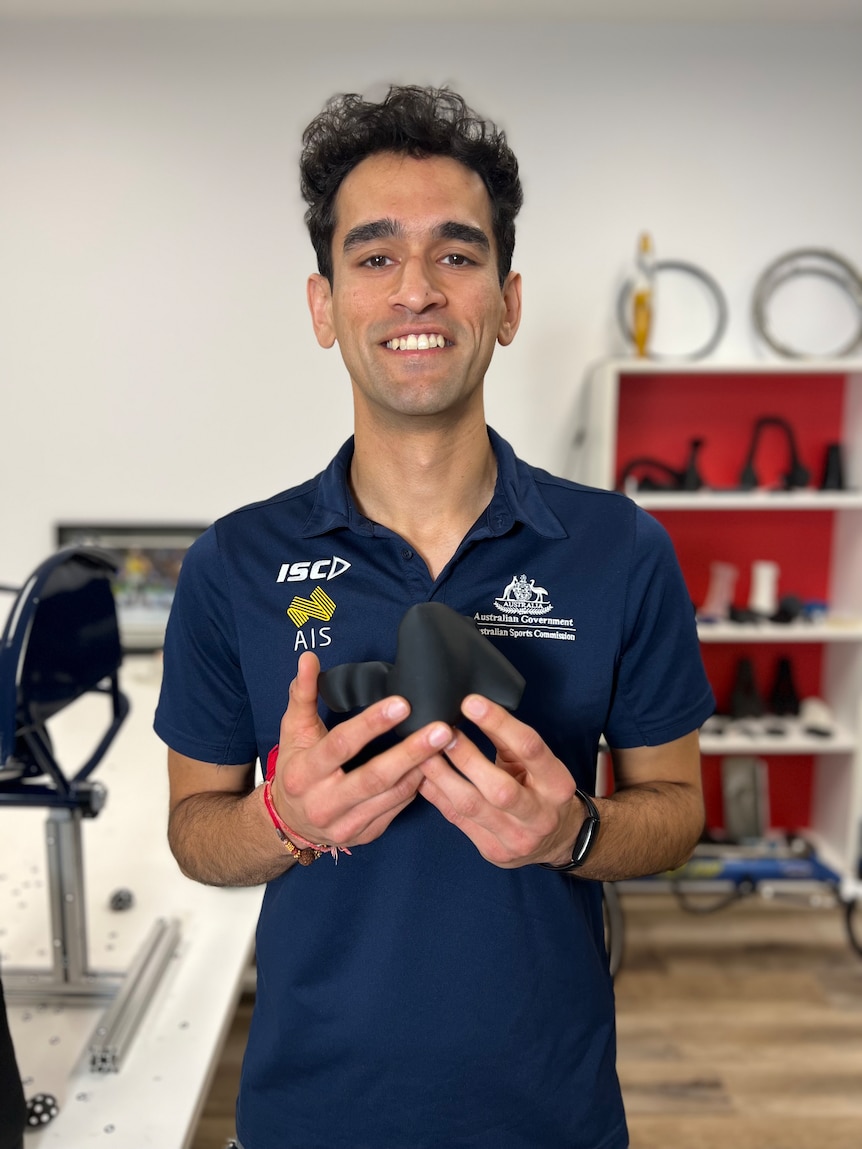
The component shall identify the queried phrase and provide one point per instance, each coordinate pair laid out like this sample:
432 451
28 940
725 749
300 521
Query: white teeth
416 342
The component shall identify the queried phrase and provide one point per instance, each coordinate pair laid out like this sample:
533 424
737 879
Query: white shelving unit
836 808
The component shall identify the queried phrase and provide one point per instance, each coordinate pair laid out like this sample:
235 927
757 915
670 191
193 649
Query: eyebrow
464 233
376 229
392 229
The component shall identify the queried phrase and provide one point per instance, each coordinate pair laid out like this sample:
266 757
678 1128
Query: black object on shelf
784 698
688 479
797 474
833 469
790 607
743 614
745 699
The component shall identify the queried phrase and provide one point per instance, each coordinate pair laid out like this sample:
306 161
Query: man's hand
517 810
315 796
520 809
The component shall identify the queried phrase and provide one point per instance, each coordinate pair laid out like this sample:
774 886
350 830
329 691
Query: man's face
415 304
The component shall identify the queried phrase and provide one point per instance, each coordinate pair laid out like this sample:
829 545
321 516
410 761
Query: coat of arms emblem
522 596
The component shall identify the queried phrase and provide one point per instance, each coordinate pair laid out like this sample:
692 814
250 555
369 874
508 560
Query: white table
155 1097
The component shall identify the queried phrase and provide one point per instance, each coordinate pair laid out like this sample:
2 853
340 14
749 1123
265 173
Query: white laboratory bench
155 1096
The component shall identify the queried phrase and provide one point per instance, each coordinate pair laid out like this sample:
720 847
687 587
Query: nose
417 287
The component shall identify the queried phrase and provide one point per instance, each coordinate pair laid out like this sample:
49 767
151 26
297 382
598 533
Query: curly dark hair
413 121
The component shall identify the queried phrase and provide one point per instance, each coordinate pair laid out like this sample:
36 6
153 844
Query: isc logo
322 569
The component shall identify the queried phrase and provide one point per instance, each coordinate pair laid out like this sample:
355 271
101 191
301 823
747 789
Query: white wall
156 360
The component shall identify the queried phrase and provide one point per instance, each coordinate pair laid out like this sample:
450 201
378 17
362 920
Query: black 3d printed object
643 470
797 474
441 658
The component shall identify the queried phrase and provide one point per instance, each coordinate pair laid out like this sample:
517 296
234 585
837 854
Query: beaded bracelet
305 855
300 848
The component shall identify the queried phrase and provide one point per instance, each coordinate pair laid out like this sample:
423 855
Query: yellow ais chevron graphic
317 605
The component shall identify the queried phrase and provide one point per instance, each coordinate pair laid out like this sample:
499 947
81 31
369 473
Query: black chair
61 641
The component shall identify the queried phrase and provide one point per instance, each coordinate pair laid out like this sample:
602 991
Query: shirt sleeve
661 691
204 710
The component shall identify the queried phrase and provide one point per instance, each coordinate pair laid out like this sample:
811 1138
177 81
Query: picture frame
149 557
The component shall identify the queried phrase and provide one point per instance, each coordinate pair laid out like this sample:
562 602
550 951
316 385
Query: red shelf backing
659 415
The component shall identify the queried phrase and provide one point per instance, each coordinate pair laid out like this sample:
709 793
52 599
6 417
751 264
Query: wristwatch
585 840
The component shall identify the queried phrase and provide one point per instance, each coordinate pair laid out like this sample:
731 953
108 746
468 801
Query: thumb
301 724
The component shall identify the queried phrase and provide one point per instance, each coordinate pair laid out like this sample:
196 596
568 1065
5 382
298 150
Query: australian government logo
525 610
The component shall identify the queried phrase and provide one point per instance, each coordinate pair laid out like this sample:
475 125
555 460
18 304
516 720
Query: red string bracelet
300 848
271 760
304 855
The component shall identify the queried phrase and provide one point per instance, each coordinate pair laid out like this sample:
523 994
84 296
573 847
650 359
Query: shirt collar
516 498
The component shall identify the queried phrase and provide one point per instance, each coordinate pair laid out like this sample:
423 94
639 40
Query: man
440 986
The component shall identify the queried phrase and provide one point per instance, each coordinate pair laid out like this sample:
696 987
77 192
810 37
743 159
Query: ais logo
316 571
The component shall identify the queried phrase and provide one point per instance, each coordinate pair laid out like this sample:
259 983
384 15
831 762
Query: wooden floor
740 1029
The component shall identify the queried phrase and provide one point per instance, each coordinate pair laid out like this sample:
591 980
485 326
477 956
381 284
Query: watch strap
585 840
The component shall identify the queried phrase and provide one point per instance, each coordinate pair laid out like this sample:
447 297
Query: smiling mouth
417 343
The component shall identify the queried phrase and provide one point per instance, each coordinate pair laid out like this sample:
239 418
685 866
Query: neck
428 484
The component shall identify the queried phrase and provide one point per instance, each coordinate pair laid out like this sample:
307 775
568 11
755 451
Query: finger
525 775
300 724
329 754
323 814
477 789
515 742
368 820
355 807
517 829
383 772
499 838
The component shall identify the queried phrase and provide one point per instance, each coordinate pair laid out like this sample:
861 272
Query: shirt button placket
413 571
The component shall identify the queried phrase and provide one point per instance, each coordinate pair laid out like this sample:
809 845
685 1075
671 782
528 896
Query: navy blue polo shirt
415 996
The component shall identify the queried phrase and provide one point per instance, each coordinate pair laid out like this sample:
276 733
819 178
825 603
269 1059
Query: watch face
587 833
584 840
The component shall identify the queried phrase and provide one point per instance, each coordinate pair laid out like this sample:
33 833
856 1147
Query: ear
319 295
511 317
